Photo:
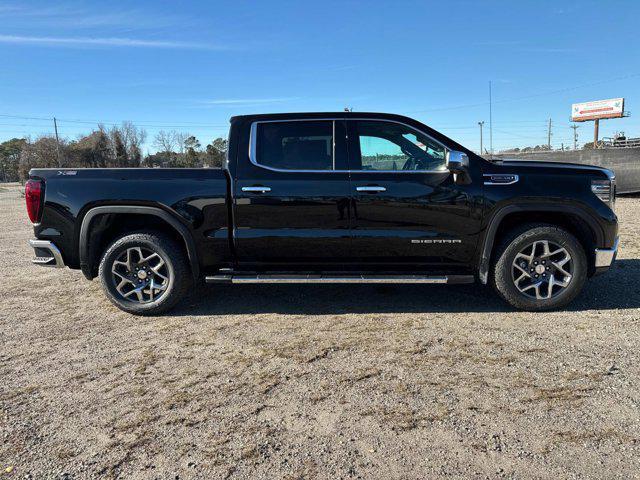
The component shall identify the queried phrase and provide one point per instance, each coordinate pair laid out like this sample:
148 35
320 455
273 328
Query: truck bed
185 194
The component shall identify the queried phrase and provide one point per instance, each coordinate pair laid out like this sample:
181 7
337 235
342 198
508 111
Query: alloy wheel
542 270
140 275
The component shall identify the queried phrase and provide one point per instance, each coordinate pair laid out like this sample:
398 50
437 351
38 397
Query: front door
292 196
408 210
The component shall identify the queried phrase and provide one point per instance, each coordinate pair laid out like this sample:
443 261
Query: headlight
605 190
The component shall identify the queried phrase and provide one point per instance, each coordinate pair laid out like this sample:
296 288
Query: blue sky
189 66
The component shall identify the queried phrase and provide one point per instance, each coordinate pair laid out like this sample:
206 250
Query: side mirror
458 164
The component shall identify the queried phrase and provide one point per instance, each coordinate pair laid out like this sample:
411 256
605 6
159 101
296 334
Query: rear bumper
47 254
605 257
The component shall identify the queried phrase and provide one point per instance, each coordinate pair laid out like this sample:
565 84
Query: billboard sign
612 108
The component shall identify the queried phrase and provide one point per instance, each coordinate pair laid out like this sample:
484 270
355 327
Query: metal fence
617 142
624 161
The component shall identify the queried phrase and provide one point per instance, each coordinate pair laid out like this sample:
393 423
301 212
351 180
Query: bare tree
119 153
181 140
133 138
165 141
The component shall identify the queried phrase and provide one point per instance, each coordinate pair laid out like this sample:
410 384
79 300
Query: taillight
33 192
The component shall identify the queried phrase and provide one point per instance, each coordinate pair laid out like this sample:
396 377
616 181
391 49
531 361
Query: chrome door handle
371 189
259 189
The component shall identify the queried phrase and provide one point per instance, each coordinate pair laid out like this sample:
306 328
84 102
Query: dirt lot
299 381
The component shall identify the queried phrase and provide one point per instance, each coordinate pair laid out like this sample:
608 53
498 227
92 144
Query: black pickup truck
329 197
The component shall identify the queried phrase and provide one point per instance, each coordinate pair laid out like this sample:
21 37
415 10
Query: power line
152 123
513 134
152 128
534 95
141 123
25 124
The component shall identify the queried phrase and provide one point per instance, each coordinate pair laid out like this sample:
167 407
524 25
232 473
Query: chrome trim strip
515 180
333 145
256 189
254 131
321 279
605 256
218 279
371 189
56 256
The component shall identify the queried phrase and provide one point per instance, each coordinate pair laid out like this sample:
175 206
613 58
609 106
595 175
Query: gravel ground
298 381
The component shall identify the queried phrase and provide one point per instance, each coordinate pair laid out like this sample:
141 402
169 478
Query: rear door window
295 145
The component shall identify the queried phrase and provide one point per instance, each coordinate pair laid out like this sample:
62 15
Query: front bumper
47 254
606 256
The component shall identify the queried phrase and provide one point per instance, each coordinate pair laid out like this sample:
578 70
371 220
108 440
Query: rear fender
85 230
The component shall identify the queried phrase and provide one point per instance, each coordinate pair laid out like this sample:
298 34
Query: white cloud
61 15
248 101
106 42
550 50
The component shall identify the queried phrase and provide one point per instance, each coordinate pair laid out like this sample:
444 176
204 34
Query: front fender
498 215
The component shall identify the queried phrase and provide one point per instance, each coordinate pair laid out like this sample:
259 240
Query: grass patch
403 418
149 358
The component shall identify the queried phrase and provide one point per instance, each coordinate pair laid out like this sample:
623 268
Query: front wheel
144 273
539 267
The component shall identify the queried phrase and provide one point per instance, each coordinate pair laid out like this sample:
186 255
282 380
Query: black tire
175 270
504 272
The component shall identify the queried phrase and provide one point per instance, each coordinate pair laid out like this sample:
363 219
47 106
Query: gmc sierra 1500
329 197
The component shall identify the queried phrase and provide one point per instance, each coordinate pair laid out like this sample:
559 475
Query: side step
311 278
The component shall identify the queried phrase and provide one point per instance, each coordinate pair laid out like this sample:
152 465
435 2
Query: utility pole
490 121
481 125
549 136
575 135
55 127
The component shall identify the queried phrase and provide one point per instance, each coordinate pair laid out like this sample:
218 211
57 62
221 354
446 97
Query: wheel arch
87 255
574 219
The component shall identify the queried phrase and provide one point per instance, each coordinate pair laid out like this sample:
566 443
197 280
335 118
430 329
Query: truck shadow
618 289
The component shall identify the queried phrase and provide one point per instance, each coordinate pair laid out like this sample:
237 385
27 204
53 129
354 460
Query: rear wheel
539 267
144 273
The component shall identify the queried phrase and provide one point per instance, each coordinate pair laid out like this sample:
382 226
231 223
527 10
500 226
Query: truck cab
360 193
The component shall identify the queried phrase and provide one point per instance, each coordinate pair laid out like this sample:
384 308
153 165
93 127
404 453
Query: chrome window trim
253 134
333 145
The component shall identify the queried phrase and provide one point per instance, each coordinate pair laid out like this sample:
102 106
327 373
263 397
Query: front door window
388 146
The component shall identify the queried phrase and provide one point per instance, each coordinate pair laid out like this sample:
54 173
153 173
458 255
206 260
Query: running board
310 278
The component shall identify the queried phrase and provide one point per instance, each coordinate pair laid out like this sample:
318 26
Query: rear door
292 195
407 212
